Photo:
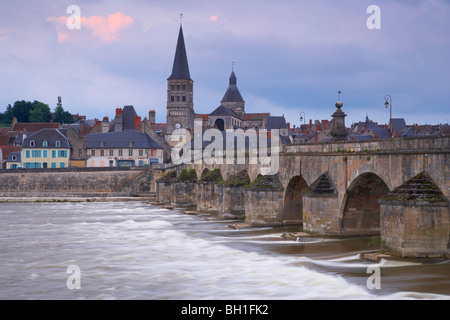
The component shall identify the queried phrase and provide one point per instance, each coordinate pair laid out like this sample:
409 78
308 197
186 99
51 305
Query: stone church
230 114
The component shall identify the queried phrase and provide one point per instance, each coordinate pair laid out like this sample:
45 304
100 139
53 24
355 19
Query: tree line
36 111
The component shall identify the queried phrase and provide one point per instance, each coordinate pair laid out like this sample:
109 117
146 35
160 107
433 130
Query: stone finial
339 131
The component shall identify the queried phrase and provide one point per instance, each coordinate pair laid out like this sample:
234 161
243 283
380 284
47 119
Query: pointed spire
232 94
180 69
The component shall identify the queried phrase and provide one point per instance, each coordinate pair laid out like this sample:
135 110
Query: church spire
180 69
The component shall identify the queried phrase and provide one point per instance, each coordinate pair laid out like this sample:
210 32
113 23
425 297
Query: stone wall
320 215
412 230
74 180
264 207
208 196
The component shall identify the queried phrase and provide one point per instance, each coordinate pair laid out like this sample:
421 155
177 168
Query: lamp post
388 104
302 118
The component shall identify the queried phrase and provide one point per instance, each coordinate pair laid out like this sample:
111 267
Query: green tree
62 116
21 110
40 112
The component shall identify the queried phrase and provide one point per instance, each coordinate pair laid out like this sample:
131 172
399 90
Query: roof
18 155
224 111
255 116
398 124
128 114
6 150
232 94
276 122
180 69
35 126
49 135
121 139
203 116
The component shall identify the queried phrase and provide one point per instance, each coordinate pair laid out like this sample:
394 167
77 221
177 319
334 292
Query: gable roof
121 139
35 126
49 135
224 111
276 122
6 150
180 69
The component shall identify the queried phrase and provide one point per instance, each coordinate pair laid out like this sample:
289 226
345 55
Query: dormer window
14 158
32 143
58 143
45 144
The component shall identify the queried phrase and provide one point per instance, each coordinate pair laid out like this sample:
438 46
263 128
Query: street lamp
388 104
302 118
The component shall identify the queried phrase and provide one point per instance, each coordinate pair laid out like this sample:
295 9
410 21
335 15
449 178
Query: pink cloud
106 29
213 18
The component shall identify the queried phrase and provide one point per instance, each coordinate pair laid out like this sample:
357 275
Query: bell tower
180 91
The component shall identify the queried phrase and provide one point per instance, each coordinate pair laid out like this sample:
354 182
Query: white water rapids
134 250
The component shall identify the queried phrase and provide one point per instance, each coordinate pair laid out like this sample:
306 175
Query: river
134 250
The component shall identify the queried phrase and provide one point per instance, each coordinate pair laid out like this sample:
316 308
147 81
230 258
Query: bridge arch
293 203
361 209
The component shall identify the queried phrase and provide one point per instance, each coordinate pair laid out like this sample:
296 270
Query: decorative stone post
339 131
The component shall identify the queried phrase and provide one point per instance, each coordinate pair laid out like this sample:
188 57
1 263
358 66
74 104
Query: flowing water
134 250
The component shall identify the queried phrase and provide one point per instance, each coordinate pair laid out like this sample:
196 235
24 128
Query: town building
122 148
47 148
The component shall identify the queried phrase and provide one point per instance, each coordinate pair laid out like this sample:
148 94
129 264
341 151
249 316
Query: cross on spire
181 18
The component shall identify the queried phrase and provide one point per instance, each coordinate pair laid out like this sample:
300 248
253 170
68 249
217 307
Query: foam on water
140 253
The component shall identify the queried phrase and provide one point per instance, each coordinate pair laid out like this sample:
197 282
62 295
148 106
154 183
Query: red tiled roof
253 116
8 149
35 126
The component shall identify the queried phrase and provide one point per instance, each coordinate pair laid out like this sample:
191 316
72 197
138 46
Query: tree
62 116
21 110
40 112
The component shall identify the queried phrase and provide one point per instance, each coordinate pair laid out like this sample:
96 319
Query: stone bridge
335 188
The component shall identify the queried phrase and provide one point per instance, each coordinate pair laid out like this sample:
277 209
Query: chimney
316 136
289 125
118 111
137 122
152 118
310 123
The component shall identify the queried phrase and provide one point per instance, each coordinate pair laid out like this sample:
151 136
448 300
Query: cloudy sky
291 57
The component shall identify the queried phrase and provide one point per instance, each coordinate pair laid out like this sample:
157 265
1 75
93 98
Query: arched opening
293 204
220 124
362 210
204 173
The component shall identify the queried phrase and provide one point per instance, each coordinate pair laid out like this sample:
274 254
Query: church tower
180 103
232 98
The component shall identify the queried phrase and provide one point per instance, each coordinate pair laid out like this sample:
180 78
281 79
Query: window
172 98
13 166
102 153
172 87
45 144
141 153
62 153
53 164
61 164
32 143
111 153
36 153
14 158
183 87
130 153
178 98
178 87
93 153
45 153
184 98
120 153
54 154
27 153
58 143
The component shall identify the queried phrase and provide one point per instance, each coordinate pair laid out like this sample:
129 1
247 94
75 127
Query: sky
290 57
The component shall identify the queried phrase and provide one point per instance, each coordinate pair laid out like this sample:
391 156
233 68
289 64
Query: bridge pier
321 214
264 202
415 219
